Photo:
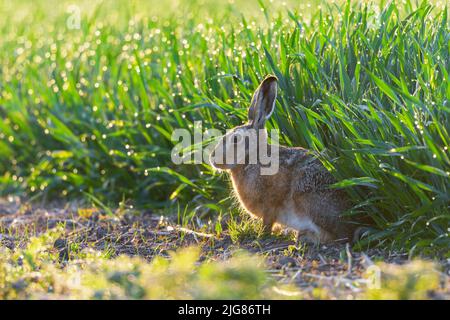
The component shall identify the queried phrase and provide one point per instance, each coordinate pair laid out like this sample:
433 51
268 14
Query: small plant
415 280
36 272
295 250
245 228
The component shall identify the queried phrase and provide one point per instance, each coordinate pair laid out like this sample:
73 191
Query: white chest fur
294 220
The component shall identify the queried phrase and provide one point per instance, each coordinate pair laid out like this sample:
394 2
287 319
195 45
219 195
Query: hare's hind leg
325 236
306 237
305 228
314 236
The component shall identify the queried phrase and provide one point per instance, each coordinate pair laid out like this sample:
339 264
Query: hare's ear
263 102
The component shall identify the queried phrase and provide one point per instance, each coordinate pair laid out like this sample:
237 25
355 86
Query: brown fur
298 195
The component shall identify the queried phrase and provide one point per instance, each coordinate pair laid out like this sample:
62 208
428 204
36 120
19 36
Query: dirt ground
334 267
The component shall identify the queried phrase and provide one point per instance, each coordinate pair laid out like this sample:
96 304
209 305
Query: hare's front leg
268 222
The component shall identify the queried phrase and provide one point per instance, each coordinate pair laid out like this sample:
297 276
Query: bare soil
335 267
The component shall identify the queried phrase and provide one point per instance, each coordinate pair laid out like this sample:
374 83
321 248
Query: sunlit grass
42 269
37 271
91 111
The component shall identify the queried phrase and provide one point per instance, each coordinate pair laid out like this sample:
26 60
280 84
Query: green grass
41 268
38 271
91 111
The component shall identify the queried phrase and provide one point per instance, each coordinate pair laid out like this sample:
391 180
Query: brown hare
298 195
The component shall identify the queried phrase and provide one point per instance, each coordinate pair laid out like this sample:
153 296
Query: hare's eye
236 138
